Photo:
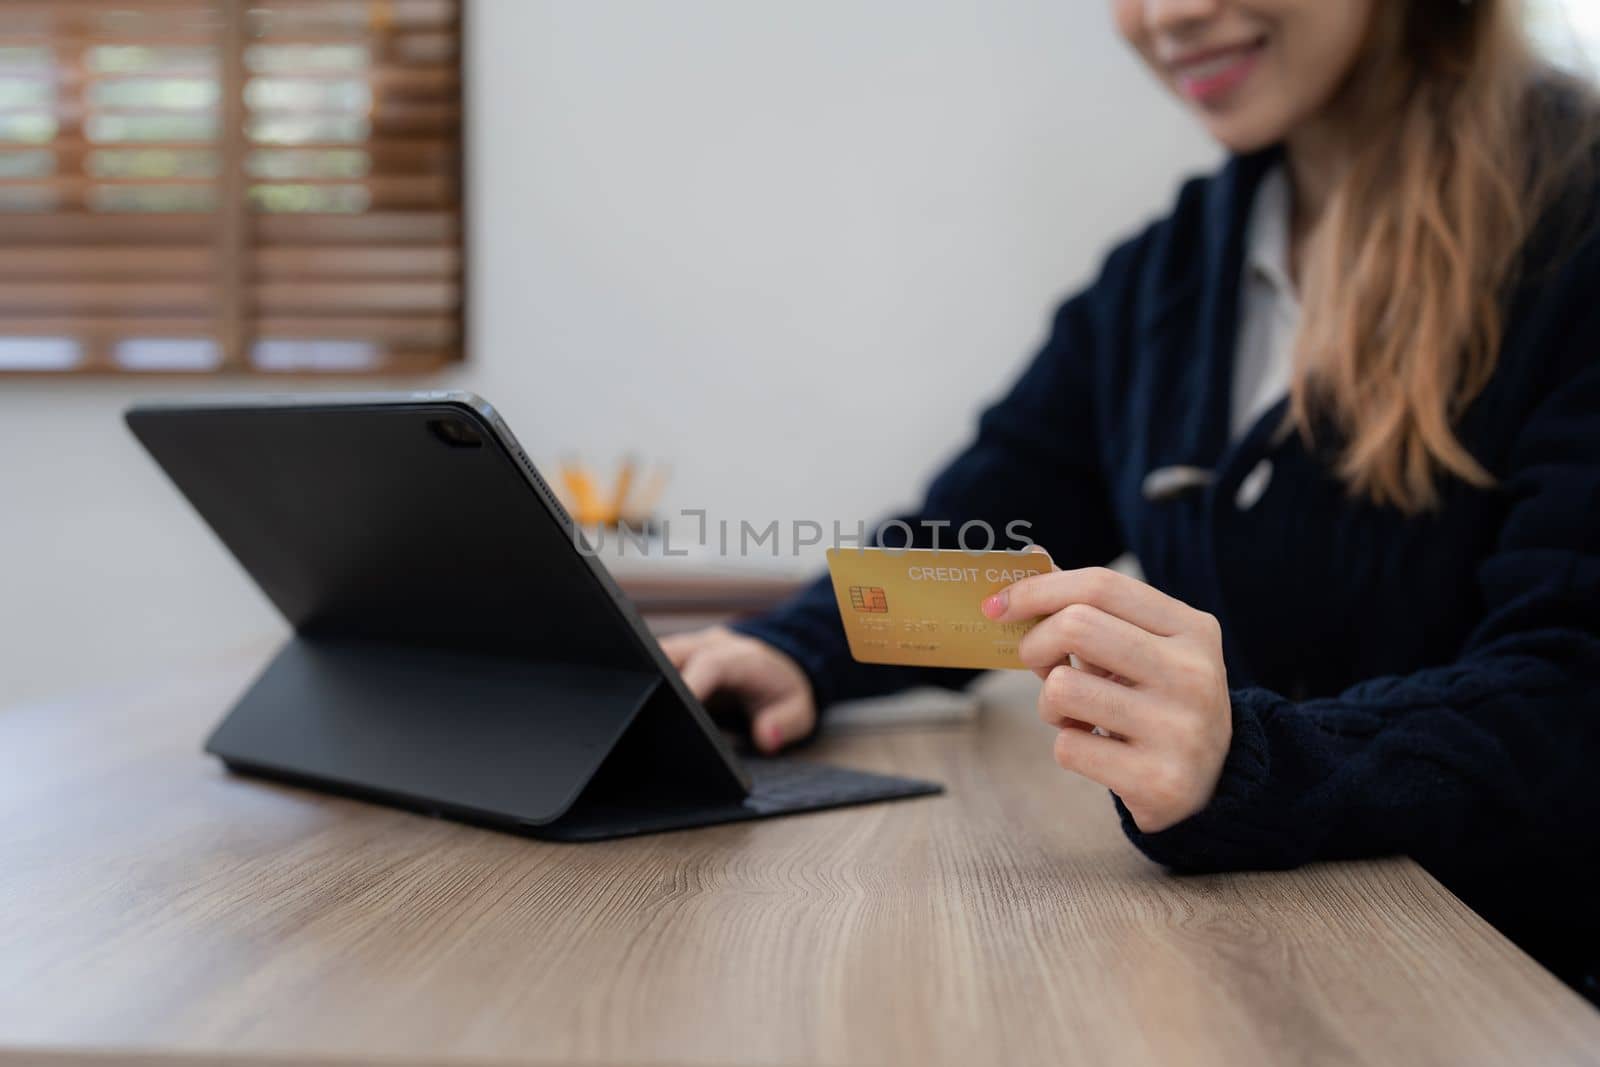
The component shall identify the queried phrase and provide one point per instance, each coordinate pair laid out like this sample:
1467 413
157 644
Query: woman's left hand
1151 676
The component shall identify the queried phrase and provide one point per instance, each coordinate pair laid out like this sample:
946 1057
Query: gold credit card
922 608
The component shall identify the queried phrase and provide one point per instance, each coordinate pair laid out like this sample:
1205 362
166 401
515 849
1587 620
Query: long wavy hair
1407 276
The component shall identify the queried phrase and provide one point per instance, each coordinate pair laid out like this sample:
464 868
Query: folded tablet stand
555 750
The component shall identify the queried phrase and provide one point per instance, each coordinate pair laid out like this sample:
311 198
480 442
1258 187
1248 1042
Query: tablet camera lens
456 433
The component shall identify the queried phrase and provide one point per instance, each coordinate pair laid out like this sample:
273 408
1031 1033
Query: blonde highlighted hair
1406 281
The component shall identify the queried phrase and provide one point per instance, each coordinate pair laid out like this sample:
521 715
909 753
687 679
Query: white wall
789 247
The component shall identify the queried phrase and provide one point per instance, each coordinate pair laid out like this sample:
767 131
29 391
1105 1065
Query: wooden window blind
230 185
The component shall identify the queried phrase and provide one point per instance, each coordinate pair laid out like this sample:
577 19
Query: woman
1343 404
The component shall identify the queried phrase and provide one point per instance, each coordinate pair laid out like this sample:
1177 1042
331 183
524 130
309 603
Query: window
1569 31
230 185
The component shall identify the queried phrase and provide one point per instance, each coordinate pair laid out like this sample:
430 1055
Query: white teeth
1211 67
1206 69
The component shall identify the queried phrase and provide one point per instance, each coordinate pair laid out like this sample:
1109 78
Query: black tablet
454 650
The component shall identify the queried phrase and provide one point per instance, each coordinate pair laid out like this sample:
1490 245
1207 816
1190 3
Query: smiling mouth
1206 77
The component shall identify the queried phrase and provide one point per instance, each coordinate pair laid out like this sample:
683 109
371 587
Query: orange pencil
619 496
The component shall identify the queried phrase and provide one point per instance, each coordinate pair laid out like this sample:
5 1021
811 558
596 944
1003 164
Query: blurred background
787 249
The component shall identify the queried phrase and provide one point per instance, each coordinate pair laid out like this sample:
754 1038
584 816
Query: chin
1243 134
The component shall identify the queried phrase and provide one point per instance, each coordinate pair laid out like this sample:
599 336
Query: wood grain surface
153 907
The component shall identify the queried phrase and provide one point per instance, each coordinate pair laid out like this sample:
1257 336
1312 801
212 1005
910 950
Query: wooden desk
152 907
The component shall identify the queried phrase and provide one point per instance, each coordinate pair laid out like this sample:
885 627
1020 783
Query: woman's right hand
771 688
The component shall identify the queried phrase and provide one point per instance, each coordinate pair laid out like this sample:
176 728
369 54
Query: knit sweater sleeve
1496 751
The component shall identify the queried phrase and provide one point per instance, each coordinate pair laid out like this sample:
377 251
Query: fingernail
995 606
773 735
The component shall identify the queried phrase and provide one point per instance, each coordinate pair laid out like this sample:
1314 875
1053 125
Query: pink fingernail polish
995 606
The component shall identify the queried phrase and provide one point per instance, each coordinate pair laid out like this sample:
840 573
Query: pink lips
1207 78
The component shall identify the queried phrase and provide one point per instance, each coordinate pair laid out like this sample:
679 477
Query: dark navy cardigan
1427 686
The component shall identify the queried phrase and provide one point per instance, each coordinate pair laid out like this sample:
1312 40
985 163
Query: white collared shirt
1269 308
